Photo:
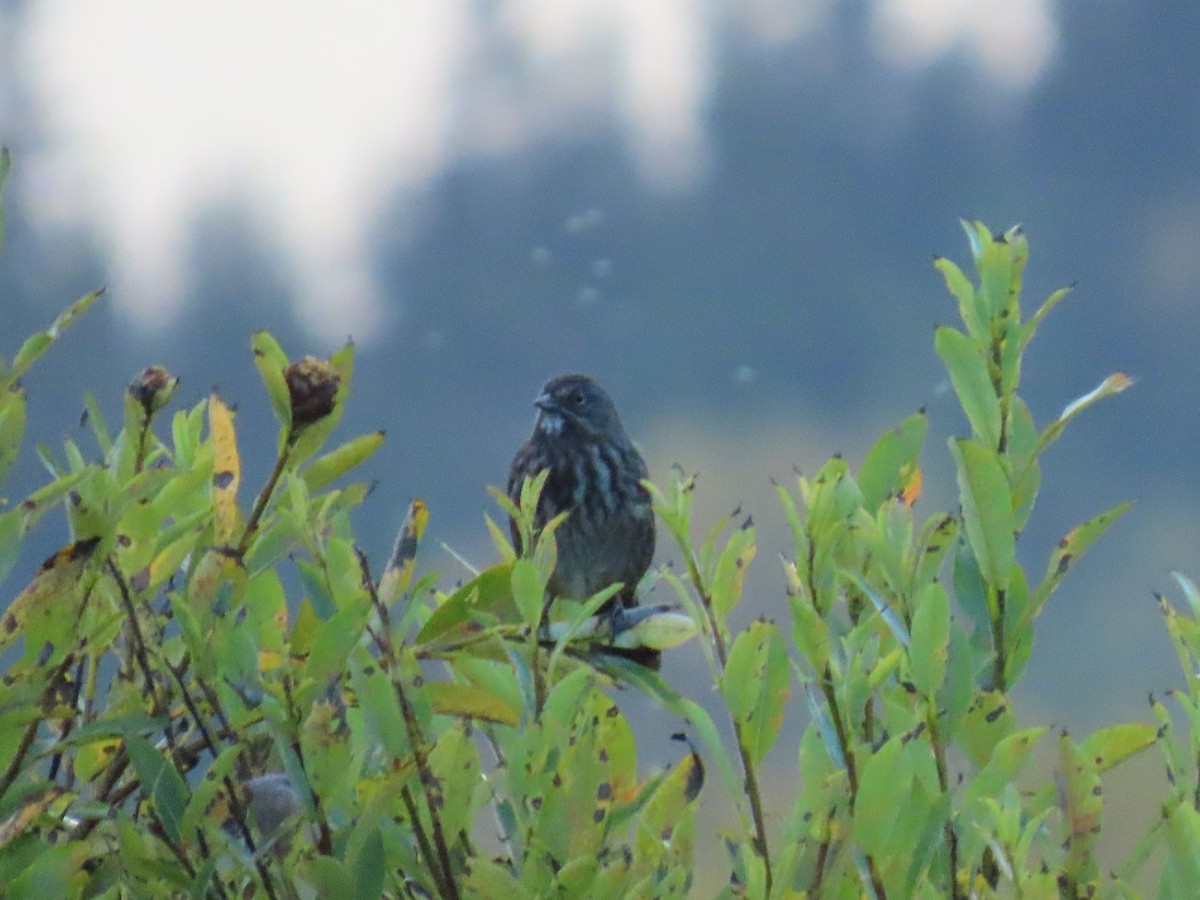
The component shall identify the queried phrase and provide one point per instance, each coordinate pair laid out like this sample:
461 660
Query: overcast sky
312 114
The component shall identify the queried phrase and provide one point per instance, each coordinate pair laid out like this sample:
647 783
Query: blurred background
725 212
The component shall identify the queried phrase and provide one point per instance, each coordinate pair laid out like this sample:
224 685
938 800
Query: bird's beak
546 403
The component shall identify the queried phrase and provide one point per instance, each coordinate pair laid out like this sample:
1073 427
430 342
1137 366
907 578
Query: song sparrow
595 474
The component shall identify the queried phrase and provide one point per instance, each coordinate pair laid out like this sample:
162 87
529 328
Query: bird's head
578 402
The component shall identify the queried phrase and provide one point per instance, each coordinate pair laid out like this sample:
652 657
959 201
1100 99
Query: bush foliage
210 695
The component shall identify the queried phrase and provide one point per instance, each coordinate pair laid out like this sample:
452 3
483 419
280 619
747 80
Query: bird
595 475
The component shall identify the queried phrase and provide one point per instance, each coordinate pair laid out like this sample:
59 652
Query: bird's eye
576 398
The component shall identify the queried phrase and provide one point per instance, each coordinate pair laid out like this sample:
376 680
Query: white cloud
1012 40
315 112
309 110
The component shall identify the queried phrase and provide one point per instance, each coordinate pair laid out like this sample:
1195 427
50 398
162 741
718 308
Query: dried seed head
312 386
152 389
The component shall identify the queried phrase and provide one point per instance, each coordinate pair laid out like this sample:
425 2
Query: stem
449 888
30 733
150 689
843 738
535 664
814 884
753 793
444 879
139 460
1195 793
237 809
999 657
160 831
939 756
260 505
69 725
324 834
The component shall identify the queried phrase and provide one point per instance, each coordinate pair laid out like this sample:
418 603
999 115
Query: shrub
202 702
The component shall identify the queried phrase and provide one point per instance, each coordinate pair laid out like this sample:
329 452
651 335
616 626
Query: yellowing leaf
26 813
227 470
470 702
398 574
910 485
55 580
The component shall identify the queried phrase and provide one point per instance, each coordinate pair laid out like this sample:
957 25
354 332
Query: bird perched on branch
595 476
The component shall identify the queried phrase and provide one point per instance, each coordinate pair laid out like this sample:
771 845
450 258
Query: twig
446 883
260 505
753 793
1000 656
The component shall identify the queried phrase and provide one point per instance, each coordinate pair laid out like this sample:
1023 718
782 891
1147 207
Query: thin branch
260 505
753 792
999 654
447 886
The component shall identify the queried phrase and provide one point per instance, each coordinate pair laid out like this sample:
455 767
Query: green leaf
12 428
969 589
989 721
930 635
995 264
329 876
1025 472
488 878
334 638
1029 329
369 867
756 685
654 686
1082 804
978 236
893 457
968 305
97 423
730 573
454 761
489 592
1018 635
889 616
35 345
11 535
326 469
53 873
1116 743
883 788
38 344
1008 758
209 787
987 509
161 781
272 362
1181 871
528 591
1073 545
962 669
968 368
810 633
937 537
1190 591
